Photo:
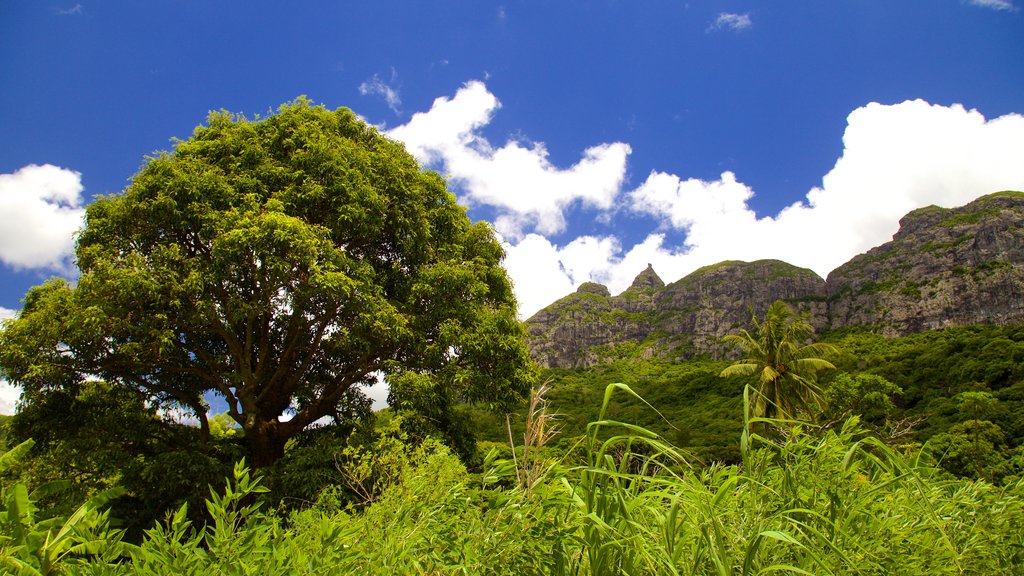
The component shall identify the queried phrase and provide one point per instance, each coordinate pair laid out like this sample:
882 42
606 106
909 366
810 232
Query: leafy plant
30 545
785 363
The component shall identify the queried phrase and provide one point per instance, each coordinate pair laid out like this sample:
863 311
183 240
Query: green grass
624 500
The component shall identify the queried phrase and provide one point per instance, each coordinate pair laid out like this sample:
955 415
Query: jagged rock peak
646 280
593 288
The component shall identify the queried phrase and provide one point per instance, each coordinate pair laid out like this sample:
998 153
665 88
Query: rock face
945 267
583 328
701 308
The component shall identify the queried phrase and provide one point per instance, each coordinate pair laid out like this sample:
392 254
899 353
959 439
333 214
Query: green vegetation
984 207
712 267
648 477
279 264
933 246
814 501
907 390
987 268
967 218
284 262
785 363
1002 194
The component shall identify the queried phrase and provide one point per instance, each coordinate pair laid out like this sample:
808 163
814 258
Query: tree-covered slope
939 375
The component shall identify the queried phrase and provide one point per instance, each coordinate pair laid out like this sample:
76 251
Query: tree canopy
280 263
786 364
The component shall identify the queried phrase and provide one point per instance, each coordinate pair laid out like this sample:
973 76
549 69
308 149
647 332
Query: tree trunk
266 443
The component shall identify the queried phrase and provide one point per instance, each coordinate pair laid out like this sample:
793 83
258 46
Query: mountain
944 267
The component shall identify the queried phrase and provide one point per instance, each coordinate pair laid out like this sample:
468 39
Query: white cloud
450 125
730 21
518 179
378 392
76 10
543 272
994 4
9 395
386 90
40 210
9 398
896 158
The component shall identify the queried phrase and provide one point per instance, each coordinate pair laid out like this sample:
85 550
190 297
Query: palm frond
777 351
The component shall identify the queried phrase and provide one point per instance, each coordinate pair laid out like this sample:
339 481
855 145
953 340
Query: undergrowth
804 501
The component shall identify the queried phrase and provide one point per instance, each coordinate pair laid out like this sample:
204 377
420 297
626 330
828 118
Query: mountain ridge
944 267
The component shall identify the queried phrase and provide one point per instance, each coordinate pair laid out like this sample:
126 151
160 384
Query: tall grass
540 428
804 501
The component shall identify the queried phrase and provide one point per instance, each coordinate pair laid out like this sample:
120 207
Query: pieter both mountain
944 268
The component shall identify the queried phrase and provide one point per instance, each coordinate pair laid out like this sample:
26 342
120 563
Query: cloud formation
76 10
9 398
377 86
529 193
9 395
41 208
896 158
734 22
994 4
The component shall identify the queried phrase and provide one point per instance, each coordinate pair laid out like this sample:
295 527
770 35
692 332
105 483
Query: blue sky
597 136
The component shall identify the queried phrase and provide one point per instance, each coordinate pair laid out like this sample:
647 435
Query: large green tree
280 263
780 353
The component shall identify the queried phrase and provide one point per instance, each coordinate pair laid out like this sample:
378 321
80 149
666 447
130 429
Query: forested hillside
648 476
959 393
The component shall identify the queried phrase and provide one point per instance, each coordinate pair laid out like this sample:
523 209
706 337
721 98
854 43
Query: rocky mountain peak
647 280
944 267
593 288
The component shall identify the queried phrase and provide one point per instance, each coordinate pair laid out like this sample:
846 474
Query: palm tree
780 354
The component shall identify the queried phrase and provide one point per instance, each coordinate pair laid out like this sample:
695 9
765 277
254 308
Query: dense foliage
959 393
915 466
836 501
279 264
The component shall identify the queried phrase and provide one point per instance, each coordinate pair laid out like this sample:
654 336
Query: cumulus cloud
529 192
994 4
9 395
41 208
378 392
9 398
377 86
730 21
450 125
542 271
896 158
